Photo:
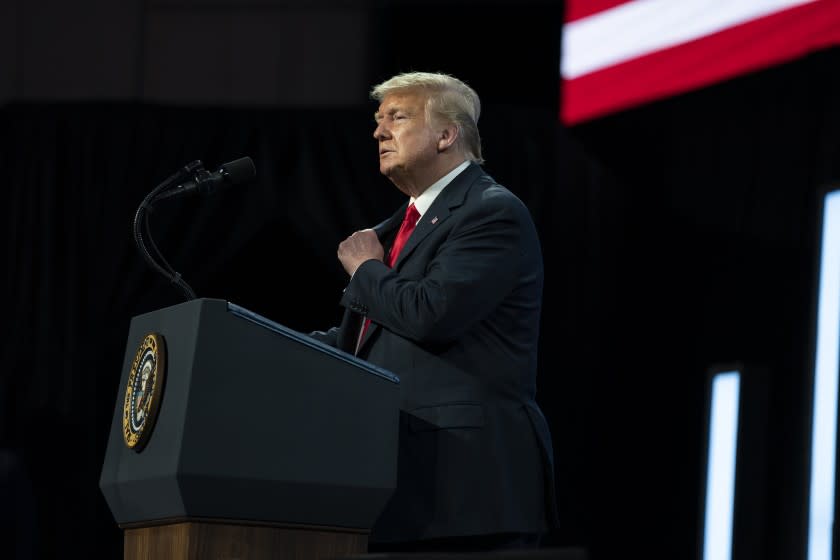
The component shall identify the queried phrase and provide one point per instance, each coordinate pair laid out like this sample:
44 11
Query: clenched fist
358 248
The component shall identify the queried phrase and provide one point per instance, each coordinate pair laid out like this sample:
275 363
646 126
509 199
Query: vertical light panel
720 474
823 430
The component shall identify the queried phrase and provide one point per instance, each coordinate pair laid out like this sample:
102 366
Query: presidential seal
143 391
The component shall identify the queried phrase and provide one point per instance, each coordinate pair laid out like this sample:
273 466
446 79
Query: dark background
677 236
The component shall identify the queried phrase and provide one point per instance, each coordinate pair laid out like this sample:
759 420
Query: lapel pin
434 220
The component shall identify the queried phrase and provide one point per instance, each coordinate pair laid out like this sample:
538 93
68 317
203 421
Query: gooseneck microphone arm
191 179
141 226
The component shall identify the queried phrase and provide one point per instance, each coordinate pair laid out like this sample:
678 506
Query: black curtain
675 236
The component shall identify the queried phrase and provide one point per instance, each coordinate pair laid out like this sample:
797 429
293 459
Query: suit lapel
450 197
352 321
389 226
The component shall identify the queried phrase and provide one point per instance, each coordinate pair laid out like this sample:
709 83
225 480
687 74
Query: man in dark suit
453 308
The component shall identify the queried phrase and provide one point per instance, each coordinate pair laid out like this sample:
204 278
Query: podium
250 440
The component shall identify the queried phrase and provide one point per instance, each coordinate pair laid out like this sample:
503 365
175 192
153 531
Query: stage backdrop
676 236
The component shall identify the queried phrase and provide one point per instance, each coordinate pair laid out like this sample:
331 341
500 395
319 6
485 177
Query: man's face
407 143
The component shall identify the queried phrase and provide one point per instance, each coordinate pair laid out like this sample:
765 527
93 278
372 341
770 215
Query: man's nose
381 131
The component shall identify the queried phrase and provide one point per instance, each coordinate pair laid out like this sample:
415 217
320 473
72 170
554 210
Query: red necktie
408 224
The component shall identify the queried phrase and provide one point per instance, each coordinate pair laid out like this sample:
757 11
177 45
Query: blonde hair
449 99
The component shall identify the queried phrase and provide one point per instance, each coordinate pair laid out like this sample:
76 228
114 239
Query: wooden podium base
194 539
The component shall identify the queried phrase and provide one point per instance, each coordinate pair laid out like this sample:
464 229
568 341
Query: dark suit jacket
457 319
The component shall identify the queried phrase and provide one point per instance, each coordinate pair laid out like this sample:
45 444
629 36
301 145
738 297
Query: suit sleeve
471 273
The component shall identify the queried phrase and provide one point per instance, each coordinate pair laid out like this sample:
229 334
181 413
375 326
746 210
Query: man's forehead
401 100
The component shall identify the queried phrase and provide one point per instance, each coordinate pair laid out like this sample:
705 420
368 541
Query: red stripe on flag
750 46
579 9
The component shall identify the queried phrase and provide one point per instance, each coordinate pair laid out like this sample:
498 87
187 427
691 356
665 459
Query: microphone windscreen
239 171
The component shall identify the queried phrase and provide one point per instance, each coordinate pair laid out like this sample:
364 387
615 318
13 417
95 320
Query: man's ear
447 137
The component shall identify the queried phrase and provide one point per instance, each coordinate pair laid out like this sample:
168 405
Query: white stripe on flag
640 27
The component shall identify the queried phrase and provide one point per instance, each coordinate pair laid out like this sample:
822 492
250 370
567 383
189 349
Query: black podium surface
255 422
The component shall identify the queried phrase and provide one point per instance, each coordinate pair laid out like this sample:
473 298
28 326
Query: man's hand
358 248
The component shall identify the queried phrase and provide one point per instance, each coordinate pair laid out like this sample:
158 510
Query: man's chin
388 170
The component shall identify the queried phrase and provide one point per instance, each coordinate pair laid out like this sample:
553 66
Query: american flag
618 53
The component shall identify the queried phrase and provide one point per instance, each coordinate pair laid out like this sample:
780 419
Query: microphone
232 173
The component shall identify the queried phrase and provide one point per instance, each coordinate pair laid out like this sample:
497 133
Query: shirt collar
424 201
